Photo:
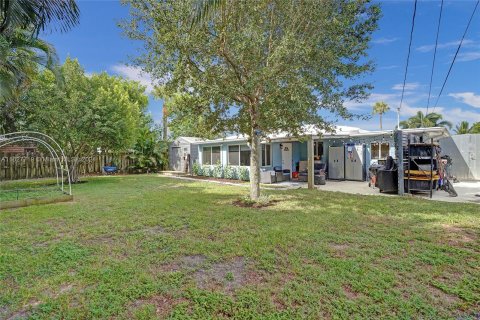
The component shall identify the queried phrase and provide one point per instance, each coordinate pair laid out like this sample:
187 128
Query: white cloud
390 67
136 74
468 56
468 98
456 115
409 86
410 106
384 40
430 47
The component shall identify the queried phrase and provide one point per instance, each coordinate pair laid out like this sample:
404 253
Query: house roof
190 139
340 132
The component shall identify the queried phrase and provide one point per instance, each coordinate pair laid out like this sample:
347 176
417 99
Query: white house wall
465 153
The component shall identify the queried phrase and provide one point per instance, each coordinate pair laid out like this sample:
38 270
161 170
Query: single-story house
180 153
348 152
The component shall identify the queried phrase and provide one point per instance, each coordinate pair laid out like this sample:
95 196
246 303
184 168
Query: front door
287 156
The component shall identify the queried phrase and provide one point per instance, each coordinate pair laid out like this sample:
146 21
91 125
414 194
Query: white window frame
211 162
239 150
262 153
379 155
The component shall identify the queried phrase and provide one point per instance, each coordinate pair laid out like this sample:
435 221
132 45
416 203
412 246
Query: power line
456 53
434 56
408 61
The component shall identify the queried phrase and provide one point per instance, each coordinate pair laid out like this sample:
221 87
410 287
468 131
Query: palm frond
204 9
38 14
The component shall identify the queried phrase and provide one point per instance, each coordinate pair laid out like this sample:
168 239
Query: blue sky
99 45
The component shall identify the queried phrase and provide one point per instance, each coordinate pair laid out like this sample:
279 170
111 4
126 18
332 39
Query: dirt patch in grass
62 290
339 249
252 204
188 263
459 236
349 292
3 312
228 275
150 230
25 311
163 304
443 297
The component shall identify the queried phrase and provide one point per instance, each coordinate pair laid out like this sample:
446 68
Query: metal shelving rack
409 157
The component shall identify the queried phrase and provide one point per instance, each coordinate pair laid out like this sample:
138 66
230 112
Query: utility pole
398 139
398 118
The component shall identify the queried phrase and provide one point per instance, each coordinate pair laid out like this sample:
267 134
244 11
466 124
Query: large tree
420 120
258 66
86 112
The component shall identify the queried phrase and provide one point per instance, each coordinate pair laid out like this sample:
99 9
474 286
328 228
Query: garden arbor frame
60 160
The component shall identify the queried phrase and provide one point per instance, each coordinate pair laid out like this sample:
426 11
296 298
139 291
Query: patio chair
268 176
281 174
318 174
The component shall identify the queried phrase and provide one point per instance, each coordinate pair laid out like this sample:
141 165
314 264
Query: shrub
217 171
244 174
196 169
207 171
230 173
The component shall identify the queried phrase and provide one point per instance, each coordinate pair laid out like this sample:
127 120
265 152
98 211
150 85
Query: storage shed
179 154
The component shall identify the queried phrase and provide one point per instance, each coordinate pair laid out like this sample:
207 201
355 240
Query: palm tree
464 128
475 128
36 15
204 9
380 108
430 120
20 54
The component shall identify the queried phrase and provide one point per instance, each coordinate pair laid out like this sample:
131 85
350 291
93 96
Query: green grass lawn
29 189
147 247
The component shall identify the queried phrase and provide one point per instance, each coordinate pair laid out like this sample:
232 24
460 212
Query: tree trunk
381 127
73 169
255 166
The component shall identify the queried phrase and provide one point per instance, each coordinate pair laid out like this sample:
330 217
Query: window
318 149
216 155
233 158
266 155
207 155
239 155
384 150
380 150
211 155
244 155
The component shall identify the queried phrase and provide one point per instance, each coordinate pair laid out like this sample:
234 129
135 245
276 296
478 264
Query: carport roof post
310 162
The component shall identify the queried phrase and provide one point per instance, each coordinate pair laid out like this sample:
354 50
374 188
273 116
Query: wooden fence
32 167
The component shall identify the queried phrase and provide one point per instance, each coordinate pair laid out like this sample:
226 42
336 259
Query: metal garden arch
60 160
